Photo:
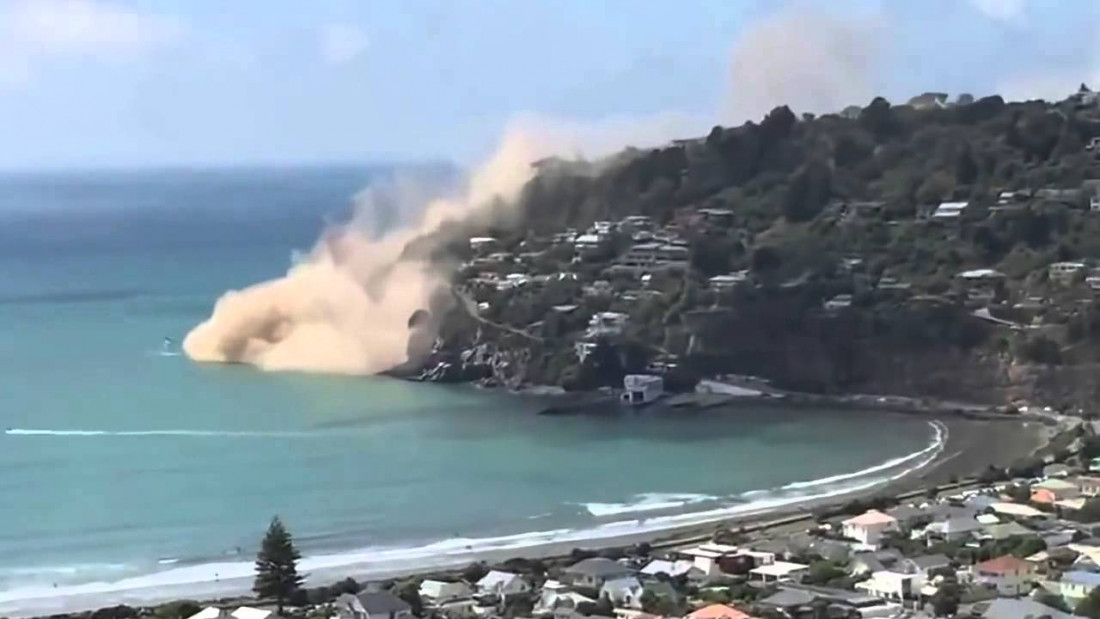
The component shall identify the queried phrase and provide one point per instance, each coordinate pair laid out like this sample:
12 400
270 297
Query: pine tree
276 565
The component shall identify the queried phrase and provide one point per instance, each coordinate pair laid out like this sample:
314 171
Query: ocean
126 469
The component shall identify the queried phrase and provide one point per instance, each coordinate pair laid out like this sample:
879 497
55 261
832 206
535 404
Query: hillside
939 248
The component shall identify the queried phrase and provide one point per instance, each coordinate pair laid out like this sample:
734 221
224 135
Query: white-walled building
642 388
869 527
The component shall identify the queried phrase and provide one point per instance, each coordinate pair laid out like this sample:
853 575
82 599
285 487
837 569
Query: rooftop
1002 565
869 518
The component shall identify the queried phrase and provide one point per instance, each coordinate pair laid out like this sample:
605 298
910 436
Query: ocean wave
191 433
650 501
226 577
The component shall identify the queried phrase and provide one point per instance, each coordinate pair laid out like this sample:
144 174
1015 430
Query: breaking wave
191 433
650 501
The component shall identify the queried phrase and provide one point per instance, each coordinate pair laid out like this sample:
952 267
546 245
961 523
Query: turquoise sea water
121 463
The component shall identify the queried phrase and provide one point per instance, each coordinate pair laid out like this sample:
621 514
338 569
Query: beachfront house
502 585
869 527
557 600
672 569
707 558
780 571
1009 575
372 605
952 529
1075 586
641 389
435 592
595 572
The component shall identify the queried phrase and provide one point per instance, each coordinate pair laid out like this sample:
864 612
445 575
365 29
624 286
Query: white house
673 569
642 388
727 281
606 324
869 527
1008 575
623 592
706 557
891 585
949 211
483 244
1076 585
558 601
780 571
502 584
593 573
372 605
1064 272
441 591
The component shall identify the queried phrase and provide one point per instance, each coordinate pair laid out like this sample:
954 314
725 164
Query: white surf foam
192 433
648 502
224 578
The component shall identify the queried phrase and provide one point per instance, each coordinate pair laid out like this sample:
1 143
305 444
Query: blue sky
92 83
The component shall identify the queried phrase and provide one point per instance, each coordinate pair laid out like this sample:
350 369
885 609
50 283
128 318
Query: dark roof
906 513
598 567
785 598
929 562
382 603
1004 608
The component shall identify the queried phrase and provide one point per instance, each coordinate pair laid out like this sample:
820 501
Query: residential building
1078 584
441 592
780 571
483 245
625 592
642 388
558 601
1056 470
587 242
502 584
717 217
1053 490
1064 272
728 281
645 257
242 612
708 557
718 611
593 573
925 567
606 324
952 529
891 585
1088 486
673 569
1008 575
948 211
372 605
869 527
1018 510
1005 530
1024 608
838 303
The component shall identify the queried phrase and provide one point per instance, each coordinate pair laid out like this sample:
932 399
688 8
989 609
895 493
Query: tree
945 601
1090 606
277 565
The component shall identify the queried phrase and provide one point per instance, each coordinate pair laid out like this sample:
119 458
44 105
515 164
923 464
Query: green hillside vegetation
817 207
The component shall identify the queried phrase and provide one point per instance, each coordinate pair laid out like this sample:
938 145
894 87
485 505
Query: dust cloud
356 301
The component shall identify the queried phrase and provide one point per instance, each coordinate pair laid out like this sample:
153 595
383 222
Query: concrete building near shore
642 388
869 527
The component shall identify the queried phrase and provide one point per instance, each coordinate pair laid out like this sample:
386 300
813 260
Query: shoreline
1003 441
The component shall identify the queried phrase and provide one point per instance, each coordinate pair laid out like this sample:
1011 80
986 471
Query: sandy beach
968 446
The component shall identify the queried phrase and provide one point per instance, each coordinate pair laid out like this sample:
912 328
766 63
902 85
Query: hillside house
837 303
891 585
949 211
1009 575
1064 272
729 281
1076 585
606 324
869 527
716 217
642 388
1088 486
483 245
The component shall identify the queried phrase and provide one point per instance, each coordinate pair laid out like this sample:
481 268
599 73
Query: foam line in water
650 501
190 433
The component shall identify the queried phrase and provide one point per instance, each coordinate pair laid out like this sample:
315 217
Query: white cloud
84 28
342 43
1001 10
